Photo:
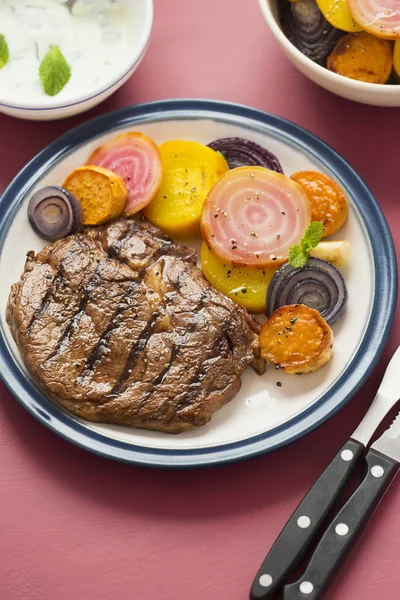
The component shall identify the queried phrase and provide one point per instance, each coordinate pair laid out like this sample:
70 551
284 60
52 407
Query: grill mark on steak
162 375
62 343
134 227
49 295
46 298
159 379
134 355
98 351
195 382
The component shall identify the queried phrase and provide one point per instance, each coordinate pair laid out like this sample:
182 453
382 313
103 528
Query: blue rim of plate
356 373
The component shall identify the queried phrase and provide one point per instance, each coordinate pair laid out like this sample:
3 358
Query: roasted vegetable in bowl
396 60
362 56
351 38
305 26
379 17
337 13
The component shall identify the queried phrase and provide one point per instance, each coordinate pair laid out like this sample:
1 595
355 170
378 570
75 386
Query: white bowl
359 91
140 14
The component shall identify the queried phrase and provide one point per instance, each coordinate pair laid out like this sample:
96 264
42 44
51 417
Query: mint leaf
297 257
4 51
312 236
54 71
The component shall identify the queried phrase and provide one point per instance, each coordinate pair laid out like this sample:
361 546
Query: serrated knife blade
387 396
389 442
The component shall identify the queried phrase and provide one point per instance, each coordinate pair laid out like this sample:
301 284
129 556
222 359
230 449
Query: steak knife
381 465
311 514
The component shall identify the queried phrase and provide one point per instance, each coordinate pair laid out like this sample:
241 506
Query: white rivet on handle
342 529
265 580
306 587
303 522
347 455
377 471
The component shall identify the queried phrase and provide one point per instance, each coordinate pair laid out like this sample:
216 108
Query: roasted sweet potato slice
363 57
328 201
101 193
297 339
396 59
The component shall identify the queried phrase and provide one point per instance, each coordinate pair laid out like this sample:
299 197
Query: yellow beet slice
337 13
297 339
363 57
189 172
328 201
246 286
101 193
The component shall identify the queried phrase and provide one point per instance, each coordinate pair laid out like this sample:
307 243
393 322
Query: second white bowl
359 91
140 15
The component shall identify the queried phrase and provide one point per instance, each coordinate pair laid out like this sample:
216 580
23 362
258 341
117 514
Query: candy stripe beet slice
378 17
136 158
253 215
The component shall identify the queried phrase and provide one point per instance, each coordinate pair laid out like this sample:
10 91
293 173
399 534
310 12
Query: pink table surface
74 526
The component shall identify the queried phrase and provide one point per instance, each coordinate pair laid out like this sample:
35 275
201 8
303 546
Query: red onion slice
252 216
54 213
239 152
318 285
306 27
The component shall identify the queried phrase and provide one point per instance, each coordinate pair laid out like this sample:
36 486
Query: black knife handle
305 523
344 530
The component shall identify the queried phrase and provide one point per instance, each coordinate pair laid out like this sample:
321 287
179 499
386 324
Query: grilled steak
118 325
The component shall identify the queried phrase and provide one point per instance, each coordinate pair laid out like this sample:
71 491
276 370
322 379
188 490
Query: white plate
262 416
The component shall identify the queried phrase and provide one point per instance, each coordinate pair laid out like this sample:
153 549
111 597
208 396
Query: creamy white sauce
94 41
